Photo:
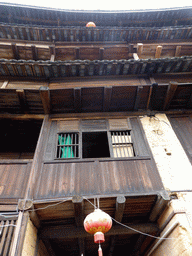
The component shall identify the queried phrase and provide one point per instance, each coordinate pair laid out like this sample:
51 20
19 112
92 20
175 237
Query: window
95 139
18 138
68 145
122 144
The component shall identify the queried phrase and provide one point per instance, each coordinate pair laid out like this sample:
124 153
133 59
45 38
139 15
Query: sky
104 4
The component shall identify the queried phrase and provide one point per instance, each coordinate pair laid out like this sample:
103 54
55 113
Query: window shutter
51 143
96 125
119 124
7 228
140 143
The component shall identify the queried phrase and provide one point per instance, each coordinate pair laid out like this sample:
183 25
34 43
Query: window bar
118 144
125 148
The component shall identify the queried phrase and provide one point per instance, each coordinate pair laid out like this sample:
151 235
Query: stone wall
32 246
171 159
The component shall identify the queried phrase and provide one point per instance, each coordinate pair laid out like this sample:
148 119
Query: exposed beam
162 200
138 97
4 85
107 98
52 53
135 56
45 98
78 210
139 49
49 247
101 53
15 51
34 52
158 51
79 213
178 51
77 53
171 89
153 96
22 100
77 99
120 205
63 232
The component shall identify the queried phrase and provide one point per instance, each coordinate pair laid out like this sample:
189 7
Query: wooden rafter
22 100
139 49
178 51
34 52
120 205
158 51
79 213
107 98
15 51
77 99
45 97
171 89
138 97
55 232
52 53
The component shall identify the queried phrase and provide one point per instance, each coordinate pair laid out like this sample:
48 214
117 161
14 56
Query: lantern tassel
100 253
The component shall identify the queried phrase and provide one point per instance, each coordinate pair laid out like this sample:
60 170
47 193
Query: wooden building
76 107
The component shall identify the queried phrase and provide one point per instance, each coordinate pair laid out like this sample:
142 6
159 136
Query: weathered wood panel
97 178
13 179
183 129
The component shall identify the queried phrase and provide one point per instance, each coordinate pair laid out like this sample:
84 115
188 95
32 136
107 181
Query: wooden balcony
100 177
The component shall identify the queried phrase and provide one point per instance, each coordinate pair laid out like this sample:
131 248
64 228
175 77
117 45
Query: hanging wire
138 231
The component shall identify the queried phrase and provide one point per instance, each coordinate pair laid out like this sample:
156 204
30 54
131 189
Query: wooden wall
13 179
62 178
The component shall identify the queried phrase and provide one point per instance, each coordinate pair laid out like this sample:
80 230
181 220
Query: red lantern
90 24
98 223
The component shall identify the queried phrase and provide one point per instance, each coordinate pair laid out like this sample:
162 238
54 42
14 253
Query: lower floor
34 231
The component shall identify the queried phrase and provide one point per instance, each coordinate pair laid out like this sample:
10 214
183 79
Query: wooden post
158 51
139 49
177 51
4 85
45 97
171 89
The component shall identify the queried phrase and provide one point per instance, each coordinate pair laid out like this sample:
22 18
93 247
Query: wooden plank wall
182 126
13 180
96 178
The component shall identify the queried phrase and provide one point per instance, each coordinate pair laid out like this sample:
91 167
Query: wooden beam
34 52
107 98
139 49
4 85
78 210
138 97
77 99
135 56
49 247
63 232
45 98
101 53
158 51
178 51
22 100
171 89
77 53
162 200
120 205
15 51
52 53
78 206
